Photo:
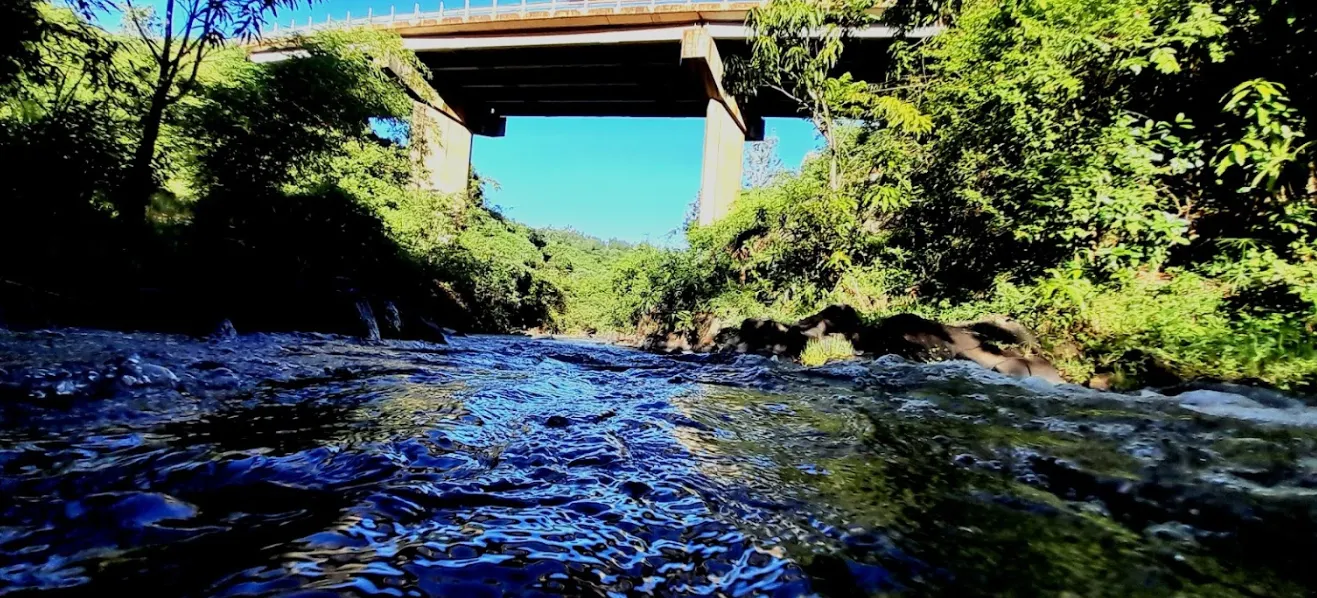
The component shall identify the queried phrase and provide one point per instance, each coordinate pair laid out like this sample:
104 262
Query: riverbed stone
157 374
907 336
1215 398
224 331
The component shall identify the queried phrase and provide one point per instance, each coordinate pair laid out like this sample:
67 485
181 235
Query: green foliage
285 207
663 288
267 125
1037 158
1069 163
833 347
1271 144
1184 322
21 29
172 45
795 51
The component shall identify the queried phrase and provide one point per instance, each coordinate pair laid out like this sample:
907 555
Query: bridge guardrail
500 10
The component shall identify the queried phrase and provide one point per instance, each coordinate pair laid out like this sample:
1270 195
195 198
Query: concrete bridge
654 58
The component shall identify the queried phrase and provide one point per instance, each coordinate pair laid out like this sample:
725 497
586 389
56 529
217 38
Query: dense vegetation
1133 179
280 196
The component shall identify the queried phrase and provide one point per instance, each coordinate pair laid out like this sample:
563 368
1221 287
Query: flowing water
140 464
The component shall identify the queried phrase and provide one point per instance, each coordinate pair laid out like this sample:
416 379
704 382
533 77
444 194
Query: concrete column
724 146
441 150
725 127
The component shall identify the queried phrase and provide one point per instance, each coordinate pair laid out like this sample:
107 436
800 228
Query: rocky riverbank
998 345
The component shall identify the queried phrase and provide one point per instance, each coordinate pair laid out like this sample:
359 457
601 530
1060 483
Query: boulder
1102 381
665 343
834 319
1029 367
706 332
423 329
1002 331
392 322
764 337
905 335
705 336
224 332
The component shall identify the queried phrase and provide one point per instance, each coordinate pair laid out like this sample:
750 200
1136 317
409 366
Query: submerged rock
1263 396
1213 398
224 332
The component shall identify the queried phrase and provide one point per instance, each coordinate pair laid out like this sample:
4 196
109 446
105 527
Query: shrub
832 347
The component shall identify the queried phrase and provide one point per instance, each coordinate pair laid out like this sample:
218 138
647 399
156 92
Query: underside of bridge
642 72
650 62
646 79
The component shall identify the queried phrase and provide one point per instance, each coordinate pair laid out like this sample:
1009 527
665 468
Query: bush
832 347
1083 174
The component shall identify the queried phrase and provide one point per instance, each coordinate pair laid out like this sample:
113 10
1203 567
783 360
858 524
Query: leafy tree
56 62
267 125
179 38
21 29
762 163
1134 179
795 50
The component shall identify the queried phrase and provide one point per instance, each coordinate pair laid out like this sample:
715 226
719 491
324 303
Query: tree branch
193 46
141 31
169 30
787 94
187 43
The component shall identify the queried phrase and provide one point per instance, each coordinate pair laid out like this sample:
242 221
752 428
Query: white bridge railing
497 10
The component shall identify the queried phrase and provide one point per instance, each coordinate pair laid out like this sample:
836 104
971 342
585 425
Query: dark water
286 464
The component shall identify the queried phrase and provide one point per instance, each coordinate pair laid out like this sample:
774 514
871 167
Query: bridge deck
530 15
636 79
581 57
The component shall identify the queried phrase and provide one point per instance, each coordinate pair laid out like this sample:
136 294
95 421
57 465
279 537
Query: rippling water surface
137 464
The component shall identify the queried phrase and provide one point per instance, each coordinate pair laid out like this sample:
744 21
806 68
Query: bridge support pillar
440 150
724 146
725 127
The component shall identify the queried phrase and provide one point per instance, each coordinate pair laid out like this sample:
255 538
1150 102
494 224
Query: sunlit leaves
1273 136
794 52
263 125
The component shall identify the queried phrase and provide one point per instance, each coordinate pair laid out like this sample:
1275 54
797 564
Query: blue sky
625 178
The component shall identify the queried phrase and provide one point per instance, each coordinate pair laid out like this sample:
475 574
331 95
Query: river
147 464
